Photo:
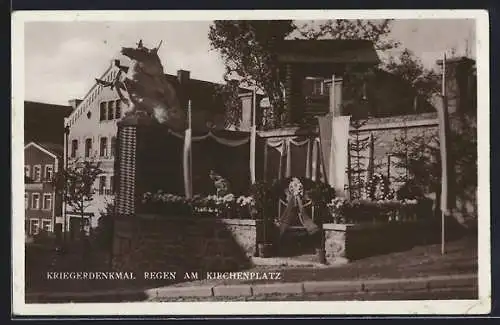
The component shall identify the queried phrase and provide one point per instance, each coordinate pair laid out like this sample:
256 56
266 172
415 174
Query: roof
55 148
460 59
328 51
52 149
44 122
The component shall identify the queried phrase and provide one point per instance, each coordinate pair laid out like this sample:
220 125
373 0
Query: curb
422 284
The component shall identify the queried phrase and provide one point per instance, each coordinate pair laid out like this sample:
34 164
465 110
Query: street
458 293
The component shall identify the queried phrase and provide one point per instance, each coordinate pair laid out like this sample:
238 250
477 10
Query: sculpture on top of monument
144 88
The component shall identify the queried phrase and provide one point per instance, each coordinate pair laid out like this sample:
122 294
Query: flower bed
228 206
345 211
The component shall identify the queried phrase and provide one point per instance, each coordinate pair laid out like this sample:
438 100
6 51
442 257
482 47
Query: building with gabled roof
42 204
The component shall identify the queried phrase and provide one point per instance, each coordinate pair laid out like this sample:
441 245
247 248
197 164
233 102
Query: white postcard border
479 306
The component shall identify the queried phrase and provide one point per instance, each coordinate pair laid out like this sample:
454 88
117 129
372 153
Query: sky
63 58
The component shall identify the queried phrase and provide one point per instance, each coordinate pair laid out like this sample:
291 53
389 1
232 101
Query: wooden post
308 158
314 159
333 109
265 160
349 180
288 171
389 167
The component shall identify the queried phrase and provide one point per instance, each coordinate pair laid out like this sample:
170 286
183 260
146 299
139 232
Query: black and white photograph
323 162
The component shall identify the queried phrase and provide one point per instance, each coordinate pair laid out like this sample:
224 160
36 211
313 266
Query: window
74 148
34 226
326 88
318 88
102 185
112 184
102 111
46 225
37 173
26 201
111 110
103 149
47 201
118 109
49 171
26 171
88 147
113 146
35 201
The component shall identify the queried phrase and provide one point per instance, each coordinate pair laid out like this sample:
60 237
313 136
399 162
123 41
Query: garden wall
348 242
385 132
169 243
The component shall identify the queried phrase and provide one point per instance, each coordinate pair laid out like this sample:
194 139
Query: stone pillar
127 182
335 238
336 96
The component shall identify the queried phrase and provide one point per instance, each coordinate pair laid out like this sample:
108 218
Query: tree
357 167
410 69
76 183
228 93
376 31
249 48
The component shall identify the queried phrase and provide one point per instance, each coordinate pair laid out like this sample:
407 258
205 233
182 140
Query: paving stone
232 291
332 286
452 282
395 285
184 292
295 288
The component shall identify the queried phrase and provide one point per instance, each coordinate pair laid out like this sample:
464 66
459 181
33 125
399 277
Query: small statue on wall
144 88
222 187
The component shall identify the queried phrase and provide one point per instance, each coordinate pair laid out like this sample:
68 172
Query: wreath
319 193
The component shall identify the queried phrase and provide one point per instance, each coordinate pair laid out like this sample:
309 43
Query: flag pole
443 161
187 160
190 149
253 136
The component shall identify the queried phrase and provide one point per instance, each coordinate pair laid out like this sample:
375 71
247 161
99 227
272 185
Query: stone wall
386 131
348 242
163 243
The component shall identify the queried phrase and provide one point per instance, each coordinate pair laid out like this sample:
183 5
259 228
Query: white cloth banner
338 158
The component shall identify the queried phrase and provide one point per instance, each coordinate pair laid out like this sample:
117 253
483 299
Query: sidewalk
389 286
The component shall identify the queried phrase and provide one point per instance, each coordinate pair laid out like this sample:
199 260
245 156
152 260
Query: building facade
42 204
90 130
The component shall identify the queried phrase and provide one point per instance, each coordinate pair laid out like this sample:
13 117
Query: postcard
204 162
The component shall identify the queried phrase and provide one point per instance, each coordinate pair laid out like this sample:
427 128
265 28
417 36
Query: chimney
183 76
74 102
